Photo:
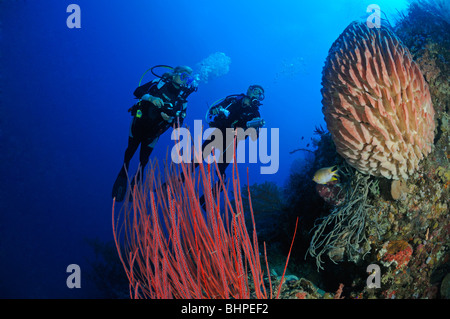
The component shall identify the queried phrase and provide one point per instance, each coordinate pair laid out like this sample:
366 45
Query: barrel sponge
376 103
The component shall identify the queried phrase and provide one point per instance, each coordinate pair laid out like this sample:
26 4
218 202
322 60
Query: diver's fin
120 187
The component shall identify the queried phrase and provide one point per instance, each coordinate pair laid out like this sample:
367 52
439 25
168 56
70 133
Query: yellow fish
325 175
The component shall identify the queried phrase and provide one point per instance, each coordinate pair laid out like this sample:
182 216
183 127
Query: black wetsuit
239 113
148 124
238 117
147 127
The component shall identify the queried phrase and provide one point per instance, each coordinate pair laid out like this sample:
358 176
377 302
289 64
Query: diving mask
257 93
187 79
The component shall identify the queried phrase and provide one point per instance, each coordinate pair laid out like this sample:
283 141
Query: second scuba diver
232 112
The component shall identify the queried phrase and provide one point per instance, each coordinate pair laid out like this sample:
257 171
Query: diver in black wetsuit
227 116
230 113
162 103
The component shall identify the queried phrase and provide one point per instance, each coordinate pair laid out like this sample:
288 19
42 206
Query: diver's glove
225 112
220 111
166 117
154 100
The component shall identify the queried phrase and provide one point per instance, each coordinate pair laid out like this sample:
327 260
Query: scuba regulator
255 100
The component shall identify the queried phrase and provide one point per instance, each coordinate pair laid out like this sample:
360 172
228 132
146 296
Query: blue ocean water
65 94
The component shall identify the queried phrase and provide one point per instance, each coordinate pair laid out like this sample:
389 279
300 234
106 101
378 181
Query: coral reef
347 221
331 192
376 102
397 252
399 189
406 228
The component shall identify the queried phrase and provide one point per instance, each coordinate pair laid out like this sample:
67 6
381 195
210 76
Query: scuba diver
162 104
226 116
234 111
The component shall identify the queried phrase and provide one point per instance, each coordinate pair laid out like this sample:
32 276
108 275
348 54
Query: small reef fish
325 175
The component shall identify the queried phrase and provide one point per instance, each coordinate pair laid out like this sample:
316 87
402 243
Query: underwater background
64 124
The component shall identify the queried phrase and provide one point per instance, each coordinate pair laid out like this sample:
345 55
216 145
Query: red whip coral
376 103
171 248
